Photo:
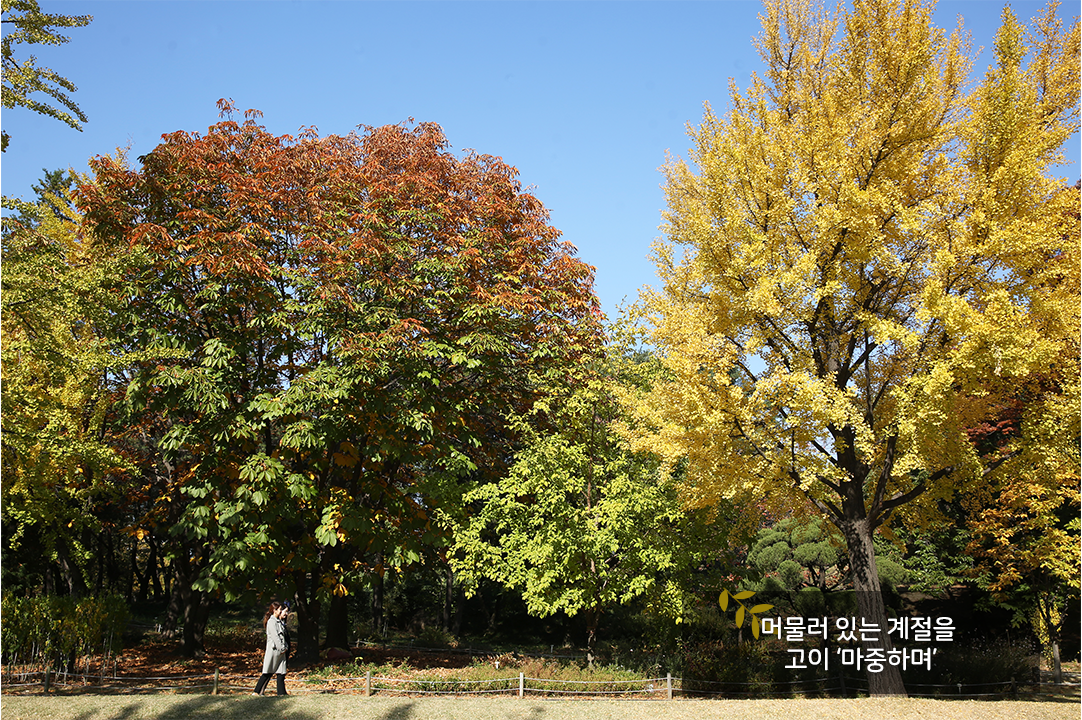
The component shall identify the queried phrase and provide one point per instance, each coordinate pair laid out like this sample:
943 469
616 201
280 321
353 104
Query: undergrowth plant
53 632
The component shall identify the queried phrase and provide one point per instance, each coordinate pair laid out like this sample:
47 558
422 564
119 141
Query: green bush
979 664
740 669
50 631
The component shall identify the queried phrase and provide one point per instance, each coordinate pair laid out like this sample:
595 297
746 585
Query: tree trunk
150 575
448 599
592 617
159 582
70 573
196 613
178 590
133 570
188 604
858 538
307 609
338 622
377 600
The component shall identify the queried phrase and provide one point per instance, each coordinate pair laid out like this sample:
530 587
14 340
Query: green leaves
349 334
580 523
22 79
62 366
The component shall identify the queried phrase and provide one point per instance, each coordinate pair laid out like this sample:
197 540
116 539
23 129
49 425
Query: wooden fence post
368 684
668 685
47 681
215 681
521 685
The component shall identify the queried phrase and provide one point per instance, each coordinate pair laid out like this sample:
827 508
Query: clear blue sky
585 99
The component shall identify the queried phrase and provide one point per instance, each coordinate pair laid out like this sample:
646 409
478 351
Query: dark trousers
265 678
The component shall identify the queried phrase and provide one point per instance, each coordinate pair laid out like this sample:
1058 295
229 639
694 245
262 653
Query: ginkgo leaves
851 253
742 610
834 272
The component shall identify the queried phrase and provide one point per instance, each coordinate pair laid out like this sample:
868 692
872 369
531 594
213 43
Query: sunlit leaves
840 271
853 250
355 317
24 78
581 523
62 365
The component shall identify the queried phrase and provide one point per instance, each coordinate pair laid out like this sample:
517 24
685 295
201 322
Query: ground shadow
210 707
401 711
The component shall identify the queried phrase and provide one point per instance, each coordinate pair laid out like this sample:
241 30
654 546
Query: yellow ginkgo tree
852 251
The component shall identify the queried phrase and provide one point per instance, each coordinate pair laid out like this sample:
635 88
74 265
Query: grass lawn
343 707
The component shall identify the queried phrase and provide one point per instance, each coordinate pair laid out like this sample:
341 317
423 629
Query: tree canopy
354 316
24 78
62 369
861 246
580 523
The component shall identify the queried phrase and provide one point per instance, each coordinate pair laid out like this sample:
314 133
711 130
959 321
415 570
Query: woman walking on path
274 659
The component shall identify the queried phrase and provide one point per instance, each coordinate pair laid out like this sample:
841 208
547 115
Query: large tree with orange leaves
356 316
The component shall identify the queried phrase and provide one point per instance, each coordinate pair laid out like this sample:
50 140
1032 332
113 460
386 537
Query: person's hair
271 609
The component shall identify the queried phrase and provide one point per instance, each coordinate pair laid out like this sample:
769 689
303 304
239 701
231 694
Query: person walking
274 658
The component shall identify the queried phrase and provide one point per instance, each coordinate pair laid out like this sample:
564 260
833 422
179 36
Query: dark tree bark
196 614
70 574
188 606
133 571
338 622
448 599
307 607
149 577
377 598
593 616
159 580
865 576
178 589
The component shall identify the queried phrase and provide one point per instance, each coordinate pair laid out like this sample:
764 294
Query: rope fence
662 688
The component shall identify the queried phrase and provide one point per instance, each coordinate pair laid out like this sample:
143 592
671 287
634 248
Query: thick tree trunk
196 613
177 599
307 609
338 622
862 567
377 601
71 575
448 599
187 605
593 615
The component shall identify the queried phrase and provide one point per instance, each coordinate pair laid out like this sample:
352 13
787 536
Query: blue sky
585 99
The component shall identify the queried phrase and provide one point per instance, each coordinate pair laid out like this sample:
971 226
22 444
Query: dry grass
353 707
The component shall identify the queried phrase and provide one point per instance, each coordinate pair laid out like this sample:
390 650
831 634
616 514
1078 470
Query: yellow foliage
853 250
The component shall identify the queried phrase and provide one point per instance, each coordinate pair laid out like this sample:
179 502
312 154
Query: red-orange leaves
358 314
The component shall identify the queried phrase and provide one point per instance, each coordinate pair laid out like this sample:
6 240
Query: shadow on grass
402 711
205 706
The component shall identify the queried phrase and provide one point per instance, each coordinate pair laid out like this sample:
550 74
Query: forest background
364 373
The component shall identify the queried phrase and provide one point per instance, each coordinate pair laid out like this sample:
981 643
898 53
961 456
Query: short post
521 685
668 685
215 681
114 668
368 684
47 678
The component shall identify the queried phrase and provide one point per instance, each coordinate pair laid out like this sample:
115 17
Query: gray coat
274 659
